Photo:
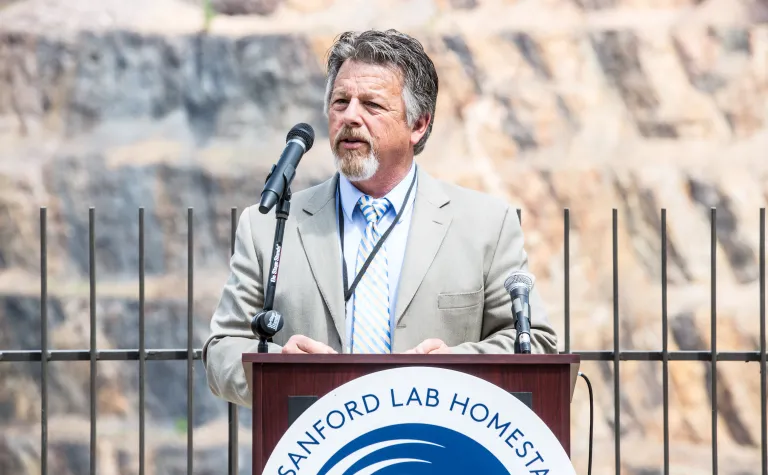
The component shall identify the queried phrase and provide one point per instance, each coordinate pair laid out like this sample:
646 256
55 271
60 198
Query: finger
441 350
431 344
292 349
315 347
319 348
292 345
422 349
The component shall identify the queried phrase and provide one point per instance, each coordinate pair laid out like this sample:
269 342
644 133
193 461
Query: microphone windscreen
304 132
518 278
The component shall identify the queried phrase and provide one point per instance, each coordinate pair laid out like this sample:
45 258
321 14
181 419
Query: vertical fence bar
713 321
92 272
763 397
44 341
616 394
190 361
232 230
232 408
664 338
567 275
142 348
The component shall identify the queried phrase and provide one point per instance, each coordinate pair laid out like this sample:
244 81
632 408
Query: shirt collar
350 195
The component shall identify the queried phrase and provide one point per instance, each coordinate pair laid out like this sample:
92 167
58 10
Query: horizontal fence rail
191 354
181 354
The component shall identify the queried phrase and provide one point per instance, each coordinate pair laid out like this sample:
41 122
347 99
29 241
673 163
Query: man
435 285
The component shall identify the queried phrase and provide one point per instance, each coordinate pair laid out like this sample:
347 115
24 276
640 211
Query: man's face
367 122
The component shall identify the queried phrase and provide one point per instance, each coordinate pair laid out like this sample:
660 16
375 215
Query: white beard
360 169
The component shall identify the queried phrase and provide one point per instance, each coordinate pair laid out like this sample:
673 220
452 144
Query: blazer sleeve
231 336
498 329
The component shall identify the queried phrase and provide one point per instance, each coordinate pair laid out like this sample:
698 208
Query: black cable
591 420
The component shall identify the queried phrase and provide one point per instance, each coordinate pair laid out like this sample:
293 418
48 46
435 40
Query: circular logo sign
418 421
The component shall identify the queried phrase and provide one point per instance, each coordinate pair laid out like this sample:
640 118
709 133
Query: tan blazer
461 247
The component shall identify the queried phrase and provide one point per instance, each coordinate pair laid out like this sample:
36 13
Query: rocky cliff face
588 105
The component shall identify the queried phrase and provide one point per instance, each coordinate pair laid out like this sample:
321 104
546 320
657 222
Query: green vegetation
181 424
208 14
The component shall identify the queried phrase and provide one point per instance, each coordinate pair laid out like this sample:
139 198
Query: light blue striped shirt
354 229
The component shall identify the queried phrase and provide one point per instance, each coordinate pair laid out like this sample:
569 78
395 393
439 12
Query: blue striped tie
370 320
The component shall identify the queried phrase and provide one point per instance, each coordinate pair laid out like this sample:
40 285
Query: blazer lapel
319 236
429 224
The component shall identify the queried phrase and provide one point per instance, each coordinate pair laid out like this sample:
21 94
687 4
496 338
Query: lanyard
348 291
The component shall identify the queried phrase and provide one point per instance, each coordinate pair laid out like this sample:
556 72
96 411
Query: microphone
519 285
298 142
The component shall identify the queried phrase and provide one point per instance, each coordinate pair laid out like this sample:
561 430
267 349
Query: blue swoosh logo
413 449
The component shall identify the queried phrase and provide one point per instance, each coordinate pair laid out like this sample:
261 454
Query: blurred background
589 105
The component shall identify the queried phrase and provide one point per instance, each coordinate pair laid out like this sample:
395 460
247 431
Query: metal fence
190 354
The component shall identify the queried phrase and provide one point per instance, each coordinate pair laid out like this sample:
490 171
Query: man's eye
372 104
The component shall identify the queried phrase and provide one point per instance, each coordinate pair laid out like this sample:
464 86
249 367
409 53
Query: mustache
346 133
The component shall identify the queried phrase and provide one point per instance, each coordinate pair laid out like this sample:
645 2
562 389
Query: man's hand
431 346
300 344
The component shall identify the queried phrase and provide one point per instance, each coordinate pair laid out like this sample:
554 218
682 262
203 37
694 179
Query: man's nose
352 116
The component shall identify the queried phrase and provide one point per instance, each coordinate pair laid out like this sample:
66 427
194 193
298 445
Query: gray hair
391 48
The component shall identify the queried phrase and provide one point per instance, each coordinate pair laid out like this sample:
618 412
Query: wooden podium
284 384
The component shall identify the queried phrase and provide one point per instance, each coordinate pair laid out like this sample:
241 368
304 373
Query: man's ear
420 128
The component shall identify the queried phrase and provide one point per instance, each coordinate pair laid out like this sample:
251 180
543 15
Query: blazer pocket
460 300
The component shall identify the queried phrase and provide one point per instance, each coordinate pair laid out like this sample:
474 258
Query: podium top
410 359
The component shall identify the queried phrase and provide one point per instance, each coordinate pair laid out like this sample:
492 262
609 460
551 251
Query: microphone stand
522 342
282 210
522 348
